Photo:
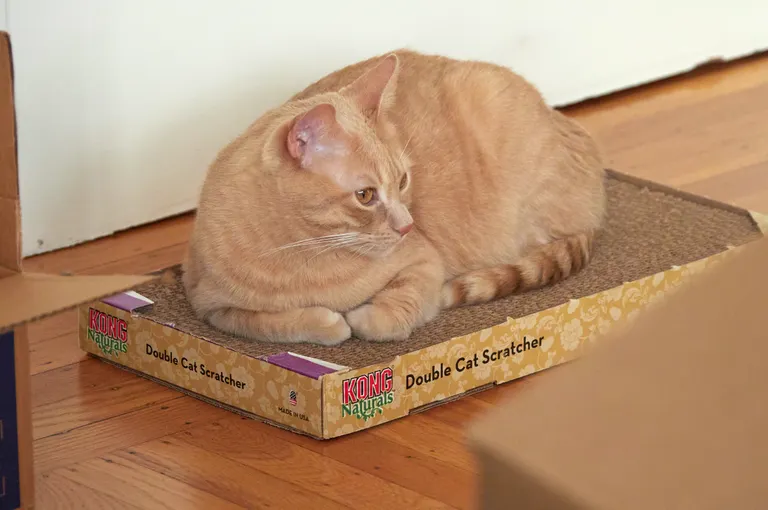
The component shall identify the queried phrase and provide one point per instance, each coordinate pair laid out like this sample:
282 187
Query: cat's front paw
377 324
326 327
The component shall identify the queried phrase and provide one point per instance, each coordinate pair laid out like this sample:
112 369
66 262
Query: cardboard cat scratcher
655 239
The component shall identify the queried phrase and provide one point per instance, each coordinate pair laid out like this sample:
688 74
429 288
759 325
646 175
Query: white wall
123 103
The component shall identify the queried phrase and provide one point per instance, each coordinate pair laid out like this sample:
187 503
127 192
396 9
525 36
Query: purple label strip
299 365
126 302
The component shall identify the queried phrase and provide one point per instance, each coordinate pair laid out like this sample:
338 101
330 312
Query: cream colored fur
481 190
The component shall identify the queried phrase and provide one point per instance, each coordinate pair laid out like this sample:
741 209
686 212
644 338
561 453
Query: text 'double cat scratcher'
655 238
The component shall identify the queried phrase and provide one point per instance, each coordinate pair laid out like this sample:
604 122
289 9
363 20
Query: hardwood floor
110 440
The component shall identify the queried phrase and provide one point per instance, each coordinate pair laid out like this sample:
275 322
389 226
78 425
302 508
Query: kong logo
109 333
365 395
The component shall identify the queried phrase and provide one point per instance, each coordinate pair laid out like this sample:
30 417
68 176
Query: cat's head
342 167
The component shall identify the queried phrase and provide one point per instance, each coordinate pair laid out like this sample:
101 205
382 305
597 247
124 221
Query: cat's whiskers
363 250
346 243
342 244
360 240
312 242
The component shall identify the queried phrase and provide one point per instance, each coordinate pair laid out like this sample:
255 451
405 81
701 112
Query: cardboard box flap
5 272
670 414
10 259
29 296
761 220
10 239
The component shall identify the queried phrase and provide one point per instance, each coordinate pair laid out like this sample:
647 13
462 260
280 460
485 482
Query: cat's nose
405 229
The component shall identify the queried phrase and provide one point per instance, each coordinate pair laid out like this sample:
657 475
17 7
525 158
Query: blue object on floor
10 490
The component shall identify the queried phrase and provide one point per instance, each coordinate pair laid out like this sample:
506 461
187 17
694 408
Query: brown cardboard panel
10 239
671 414
761 220
5 272
29 296
498 490
24 413
9 187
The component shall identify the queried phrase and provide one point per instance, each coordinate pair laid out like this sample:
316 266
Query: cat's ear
314 134
374 91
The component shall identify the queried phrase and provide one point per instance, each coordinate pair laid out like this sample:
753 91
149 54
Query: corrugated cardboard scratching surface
647 231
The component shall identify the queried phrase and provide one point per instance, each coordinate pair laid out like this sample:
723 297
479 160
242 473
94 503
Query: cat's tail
545 265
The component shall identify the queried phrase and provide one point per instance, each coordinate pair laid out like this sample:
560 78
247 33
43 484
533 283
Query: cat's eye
366 196
404 182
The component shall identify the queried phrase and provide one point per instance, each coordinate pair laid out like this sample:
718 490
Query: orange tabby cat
385 192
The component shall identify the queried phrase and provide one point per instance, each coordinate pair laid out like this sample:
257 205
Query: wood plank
102 437
53 326
72 380
429 437
695 146
54 491
406 467
393 462
705 86
685 142
125 245
252 444
148 262
99 403
223 477
132 483
757 201
746 185
55 353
